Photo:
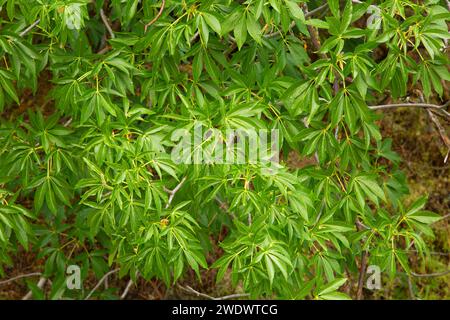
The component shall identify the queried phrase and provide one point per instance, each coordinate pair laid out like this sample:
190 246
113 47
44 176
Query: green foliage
84 177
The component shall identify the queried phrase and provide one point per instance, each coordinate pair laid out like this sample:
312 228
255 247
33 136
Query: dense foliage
87 175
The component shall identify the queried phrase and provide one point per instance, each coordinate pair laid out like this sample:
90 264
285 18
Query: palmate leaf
366 186
6 84
416 213
426 217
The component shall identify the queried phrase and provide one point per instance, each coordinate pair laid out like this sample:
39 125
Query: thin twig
33 274
362 269
314 34
174 191
407 104
163 4
104 50
410 289
360 224
199 294
362 272
233 296
106 23
418 105
194 37
34 24
441 131
156 289
100 282
127 288
430 275
225 207
68 122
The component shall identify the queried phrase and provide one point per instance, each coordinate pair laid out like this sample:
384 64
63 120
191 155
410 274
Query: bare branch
362 272
360 224
199 294
34 24
33 274
194 37
104 50
410 289
314 34
174 191
163 4
233 296
441 132
127 288
418 105
397 105
100 282
68 122
430 275
106 23
225 207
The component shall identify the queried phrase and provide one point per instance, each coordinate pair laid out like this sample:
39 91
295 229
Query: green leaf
426 217
240 32
417 205
50 198
334 7
253 28
213 22
335 296
8 87
270 268
204 31
295 10
317 23
346 16
332 286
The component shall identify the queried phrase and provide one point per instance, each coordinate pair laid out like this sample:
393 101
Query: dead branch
430 275
127 288
33 274
100 282
441 131
417 105
199 294
163 4
106 23
173 192
34 24
362 273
